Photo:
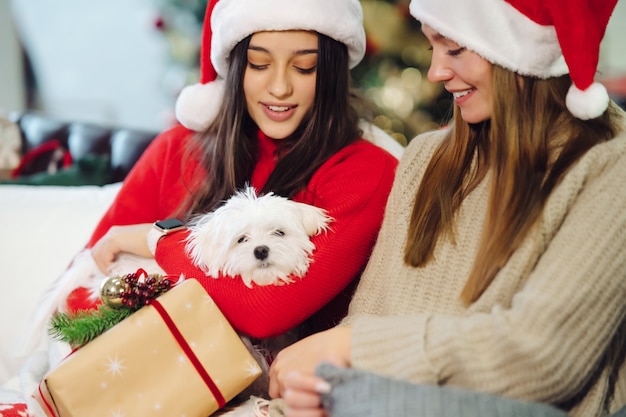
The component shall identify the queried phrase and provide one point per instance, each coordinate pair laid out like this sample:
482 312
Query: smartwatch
160 229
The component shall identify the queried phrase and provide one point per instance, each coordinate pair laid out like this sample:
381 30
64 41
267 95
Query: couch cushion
123 146
43 228
92 169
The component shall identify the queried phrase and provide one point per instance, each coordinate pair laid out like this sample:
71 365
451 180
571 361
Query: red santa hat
227 22
540 38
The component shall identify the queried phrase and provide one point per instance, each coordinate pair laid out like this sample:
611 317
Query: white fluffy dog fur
265 240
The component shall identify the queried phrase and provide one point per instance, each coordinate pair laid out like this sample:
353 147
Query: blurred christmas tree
392 74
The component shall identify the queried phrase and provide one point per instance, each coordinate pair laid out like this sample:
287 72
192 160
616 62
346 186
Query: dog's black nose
261 252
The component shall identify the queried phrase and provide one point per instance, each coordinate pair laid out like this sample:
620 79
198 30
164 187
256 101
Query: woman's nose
279 84
438 70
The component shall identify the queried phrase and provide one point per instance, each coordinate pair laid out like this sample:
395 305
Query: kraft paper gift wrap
178 357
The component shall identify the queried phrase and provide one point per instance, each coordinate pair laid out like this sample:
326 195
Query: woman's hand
132 239
292 374
302 395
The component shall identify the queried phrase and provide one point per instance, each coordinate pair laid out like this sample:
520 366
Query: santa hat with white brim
227 22
539 38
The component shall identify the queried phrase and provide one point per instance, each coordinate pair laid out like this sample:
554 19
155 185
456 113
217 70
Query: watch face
170 224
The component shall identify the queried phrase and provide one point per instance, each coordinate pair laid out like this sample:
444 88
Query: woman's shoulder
427 141
421 148
605 154
360 167
174 136
363 152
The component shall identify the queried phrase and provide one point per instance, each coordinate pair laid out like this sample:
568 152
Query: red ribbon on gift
189 352
46 403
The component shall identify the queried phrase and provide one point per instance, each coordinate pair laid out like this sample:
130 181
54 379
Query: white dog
265 240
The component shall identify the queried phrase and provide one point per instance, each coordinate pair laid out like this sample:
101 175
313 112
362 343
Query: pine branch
81 328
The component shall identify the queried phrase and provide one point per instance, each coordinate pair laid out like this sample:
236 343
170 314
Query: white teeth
278 108
458 94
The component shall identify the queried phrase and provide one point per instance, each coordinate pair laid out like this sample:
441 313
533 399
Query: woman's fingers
302 394
132 239
302 382
103 254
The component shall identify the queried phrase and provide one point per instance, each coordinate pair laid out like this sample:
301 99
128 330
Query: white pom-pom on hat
227 22
587 104
198 104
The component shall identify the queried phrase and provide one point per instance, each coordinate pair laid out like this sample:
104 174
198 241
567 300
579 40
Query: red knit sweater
352 186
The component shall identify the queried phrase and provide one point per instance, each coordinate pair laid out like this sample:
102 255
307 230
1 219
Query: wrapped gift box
178 356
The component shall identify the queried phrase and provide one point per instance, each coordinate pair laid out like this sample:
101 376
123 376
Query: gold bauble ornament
111 291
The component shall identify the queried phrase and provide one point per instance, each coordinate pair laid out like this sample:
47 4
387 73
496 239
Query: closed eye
306 70
279 233
257 67
456 52
242 239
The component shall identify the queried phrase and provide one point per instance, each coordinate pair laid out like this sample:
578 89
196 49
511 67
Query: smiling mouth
279 108
459 94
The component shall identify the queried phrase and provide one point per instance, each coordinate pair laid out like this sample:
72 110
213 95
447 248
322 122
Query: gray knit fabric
359 394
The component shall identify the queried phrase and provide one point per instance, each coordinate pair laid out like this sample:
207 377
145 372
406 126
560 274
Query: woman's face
464 73
279 81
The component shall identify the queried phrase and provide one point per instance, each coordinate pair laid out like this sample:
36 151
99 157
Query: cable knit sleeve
353 186
547 325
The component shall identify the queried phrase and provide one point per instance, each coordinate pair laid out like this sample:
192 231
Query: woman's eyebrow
306 51
298 52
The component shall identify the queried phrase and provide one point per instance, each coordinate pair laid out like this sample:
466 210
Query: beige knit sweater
552 325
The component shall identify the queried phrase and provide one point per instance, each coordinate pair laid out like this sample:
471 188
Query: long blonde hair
528 145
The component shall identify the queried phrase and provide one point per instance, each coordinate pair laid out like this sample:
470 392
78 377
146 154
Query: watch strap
153 238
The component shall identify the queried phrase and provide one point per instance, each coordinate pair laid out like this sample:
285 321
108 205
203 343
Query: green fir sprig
121 296
80 328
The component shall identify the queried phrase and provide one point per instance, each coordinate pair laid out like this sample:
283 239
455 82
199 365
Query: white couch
44 227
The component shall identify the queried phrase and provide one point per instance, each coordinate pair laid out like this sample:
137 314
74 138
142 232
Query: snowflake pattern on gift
114 366
252 368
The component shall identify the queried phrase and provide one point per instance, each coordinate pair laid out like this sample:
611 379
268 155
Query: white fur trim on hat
198 104
234 20
587 104
496 31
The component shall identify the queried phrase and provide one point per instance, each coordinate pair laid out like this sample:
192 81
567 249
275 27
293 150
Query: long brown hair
528 145
229 146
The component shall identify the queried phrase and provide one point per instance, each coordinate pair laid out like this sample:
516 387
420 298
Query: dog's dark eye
279 233
241 239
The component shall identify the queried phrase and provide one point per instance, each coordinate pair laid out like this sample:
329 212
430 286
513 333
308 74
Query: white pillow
43 228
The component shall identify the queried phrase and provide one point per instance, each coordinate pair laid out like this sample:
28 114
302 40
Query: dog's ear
208 241
314 219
